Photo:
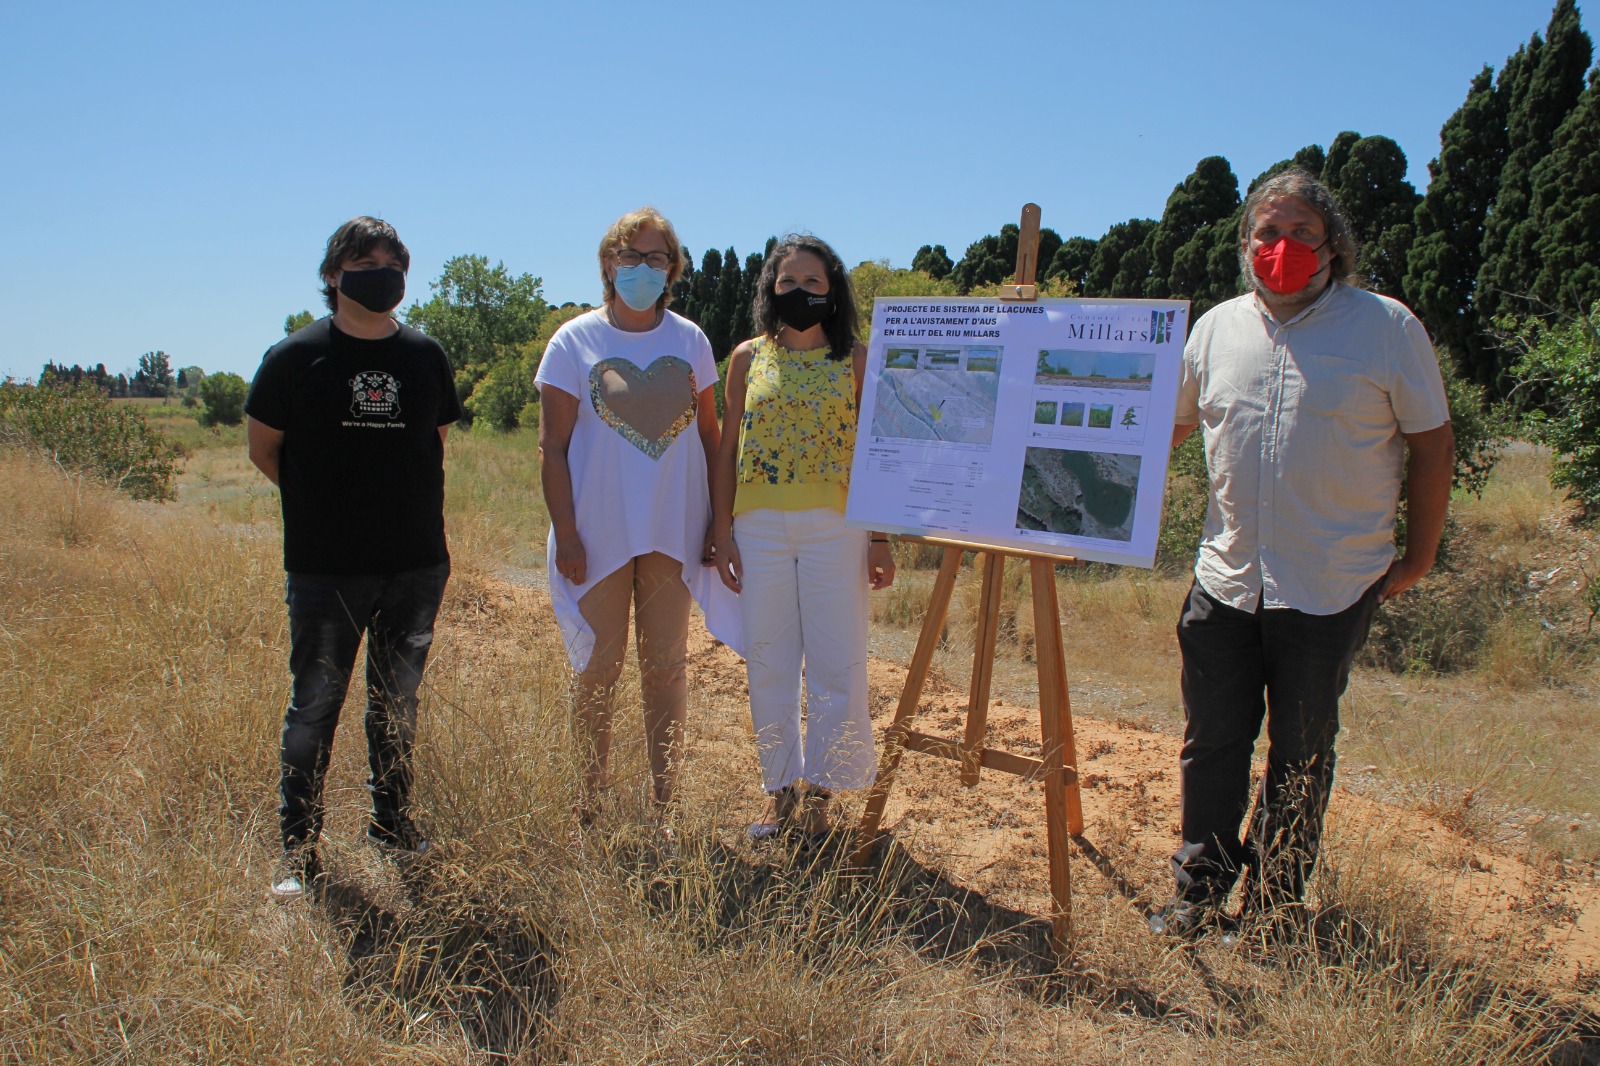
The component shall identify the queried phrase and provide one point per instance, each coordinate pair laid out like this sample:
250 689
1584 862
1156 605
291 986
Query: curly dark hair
843 328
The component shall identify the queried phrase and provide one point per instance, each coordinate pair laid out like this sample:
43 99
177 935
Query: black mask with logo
379 290
800 310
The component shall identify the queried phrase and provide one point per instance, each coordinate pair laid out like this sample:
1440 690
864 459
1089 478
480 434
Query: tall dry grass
144 651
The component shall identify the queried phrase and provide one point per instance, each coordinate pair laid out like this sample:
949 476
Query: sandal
776 818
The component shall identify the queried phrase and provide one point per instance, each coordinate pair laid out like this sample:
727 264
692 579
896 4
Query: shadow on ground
486 968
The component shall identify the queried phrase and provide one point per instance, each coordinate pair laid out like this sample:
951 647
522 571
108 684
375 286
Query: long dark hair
843 328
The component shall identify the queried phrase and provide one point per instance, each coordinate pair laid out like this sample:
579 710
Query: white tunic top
1302 422
638 467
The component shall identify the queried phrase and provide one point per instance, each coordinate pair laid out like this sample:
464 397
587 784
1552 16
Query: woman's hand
726 554
571 561
880 565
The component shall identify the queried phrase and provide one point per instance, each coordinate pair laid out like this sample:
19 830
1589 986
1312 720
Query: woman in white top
627 431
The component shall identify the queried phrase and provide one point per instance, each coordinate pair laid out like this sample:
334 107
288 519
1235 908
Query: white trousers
804 600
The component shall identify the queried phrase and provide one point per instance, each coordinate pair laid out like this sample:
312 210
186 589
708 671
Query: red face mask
1286 265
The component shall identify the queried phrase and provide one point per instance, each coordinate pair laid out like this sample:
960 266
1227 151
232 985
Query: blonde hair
623 230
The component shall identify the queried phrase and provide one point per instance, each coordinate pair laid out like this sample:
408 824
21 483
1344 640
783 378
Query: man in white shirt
1316 400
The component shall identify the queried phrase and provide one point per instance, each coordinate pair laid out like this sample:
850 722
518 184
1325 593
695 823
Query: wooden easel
1058 764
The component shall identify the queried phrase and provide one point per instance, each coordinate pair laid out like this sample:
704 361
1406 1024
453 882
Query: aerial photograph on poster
1078 493
936 400
1095 370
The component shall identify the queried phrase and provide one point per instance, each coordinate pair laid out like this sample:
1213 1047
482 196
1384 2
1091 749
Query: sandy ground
991 839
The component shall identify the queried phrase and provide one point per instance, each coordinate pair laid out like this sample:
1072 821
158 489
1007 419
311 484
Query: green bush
223 395
81 429
1558 392
1184 515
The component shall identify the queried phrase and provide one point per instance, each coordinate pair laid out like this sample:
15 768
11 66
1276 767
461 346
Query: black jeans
1238 667
328 614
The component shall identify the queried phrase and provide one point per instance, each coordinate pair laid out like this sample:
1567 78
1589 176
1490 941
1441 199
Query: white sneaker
296 875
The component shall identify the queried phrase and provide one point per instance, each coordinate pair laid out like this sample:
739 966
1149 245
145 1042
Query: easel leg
984 640
916 677
1062 804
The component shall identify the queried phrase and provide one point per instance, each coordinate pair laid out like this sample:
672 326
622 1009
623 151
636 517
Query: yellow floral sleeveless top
798 432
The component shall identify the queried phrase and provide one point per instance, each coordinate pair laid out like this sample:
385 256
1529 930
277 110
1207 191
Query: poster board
1042 426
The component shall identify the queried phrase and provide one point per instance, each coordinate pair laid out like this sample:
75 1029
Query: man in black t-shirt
348 418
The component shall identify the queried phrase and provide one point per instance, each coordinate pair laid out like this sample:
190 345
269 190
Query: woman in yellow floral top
778 499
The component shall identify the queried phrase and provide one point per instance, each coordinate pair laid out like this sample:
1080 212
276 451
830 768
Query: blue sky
172 171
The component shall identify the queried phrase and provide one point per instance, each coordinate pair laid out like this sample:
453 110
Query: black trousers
1238 667
328 615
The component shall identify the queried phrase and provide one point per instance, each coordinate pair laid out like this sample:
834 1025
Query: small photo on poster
1095 370
1078 493
983 360
901 358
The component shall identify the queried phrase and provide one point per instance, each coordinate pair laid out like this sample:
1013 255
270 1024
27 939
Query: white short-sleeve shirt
639 481
1302 422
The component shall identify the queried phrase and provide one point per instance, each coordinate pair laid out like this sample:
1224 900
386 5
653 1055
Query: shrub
223 395
81 429
1559 392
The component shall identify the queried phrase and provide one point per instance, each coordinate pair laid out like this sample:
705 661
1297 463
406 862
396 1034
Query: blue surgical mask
640 286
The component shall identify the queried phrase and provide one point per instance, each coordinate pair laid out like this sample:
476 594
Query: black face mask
800 310
379 290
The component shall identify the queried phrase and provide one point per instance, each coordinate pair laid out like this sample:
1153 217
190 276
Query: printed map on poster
1040 426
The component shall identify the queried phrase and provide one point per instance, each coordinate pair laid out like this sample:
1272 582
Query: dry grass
144 652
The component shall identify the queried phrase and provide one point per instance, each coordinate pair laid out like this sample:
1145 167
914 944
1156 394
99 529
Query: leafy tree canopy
478 311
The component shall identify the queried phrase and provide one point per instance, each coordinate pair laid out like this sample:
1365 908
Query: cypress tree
933 261
730 281
1072 261
1565 210
743 322
1180 243
704 294
683 300
1542 90
1367 175
1442 271
1106 276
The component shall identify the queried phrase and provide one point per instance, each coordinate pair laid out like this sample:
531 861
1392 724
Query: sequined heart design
649 406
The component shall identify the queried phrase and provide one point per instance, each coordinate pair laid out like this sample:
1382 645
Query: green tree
989 260
1565 211
875 278
1072 261
1312 159
1442 270
933 261
155 373
478 312
1367 175
723 322
1559 390
296 322
505 394
1179 243
701 307
1122 241
223 394
1542 84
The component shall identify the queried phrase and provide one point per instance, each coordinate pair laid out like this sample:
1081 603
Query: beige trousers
653 586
